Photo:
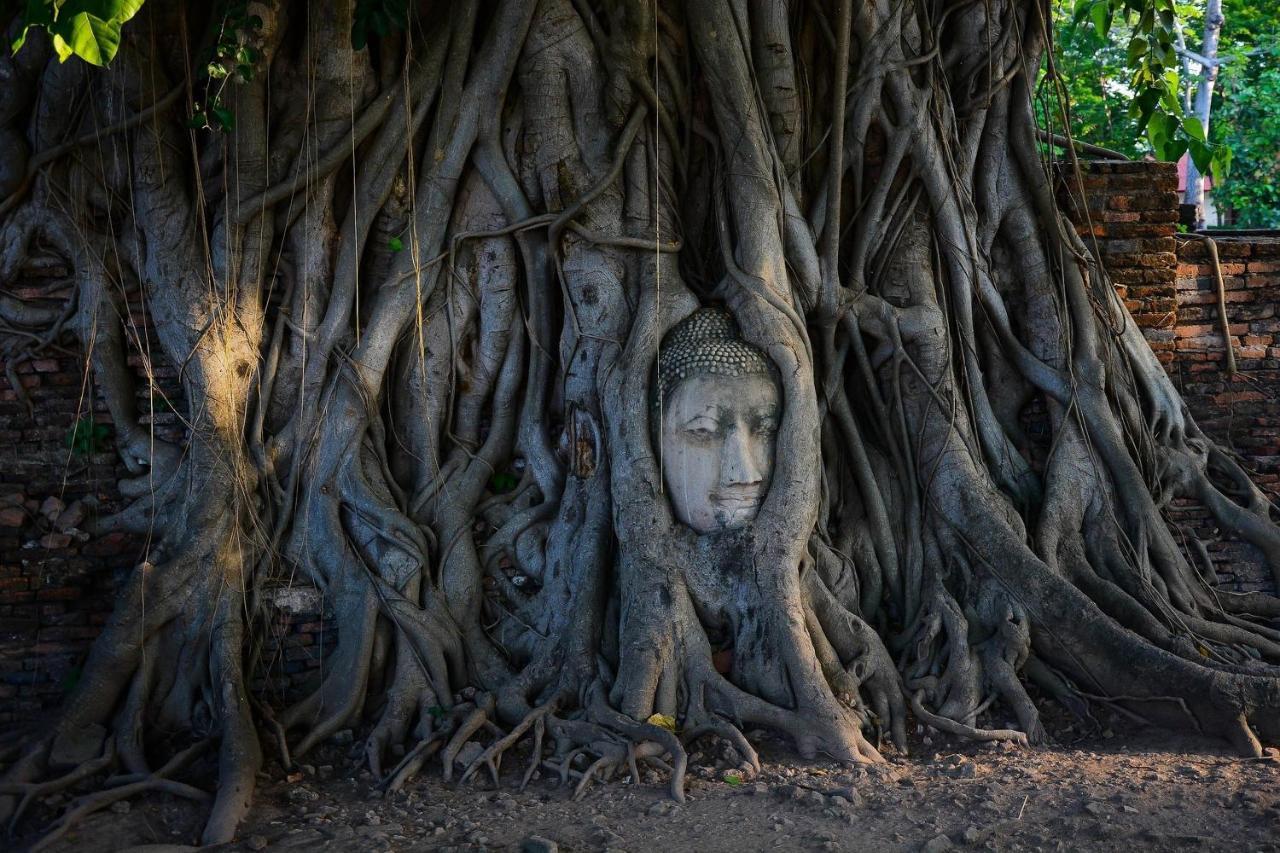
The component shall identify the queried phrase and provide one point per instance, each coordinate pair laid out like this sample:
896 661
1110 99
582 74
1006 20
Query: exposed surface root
414 294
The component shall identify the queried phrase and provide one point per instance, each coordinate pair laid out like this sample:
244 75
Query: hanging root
418 363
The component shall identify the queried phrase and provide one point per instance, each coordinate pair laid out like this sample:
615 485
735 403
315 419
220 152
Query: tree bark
416 295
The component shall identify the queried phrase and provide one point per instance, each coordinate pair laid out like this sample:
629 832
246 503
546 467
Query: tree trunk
1213 21
419 295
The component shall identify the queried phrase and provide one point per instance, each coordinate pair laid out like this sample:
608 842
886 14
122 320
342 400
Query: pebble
538 844
469 753
937 844
663 808
256 842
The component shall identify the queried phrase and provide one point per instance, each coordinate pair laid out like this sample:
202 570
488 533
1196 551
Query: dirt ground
1135 790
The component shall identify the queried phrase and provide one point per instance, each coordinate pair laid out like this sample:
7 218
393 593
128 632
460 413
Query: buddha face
717 448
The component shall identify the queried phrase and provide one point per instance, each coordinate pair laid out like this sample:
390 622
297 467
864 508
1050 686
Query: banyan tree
622 373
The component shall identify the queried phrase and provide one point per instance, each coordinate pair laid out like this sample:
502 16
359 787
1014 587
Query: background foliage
1097 62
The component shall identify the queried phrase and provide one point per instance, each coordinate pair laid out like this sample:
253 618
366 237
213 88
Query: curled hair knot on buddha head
706 343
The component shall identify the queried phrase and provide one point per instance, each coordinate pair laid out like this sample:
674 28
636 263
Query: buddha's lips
738 499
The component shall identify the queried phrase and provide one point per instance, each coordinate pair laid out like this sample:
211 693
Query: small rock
605 837
937 844
538 844
70 517
972 835
12 516
469 753
54 541
121 807
300 794
663 808
343 737
52 508
759 789
256 842
1095 808
843 802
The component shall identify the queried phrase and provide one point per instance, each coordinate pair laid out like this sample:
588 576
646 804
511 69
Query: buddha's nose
738 465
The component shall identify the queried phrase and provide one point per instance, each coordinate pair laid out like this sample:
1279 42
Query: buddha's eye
702 430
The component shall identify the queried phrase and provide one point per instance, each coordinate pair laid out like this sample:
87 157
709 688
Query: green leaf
1100 14
71 679
62 48
1160 131
1201 155
226 121
1137 48
1221 164
502 483
1193 128
1173 150
86 437
1143 107
89 29
395 244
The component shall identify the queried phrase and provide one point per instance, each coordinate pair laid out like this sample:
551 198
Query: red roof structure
1182 175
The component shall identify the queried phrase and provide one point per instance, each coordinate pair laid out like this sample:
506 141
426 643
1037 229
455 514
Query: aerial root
413 761
614 745
477 719
268 718
32 791
700 721
95 802
118 788
492 755
950 726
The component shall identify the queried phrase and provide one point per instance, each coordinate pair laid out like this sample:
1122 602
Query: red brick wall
1130 213
57 582
1241 412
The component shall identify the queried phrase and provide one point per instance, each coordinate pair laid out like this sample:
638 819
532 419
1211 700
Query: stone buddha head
716 410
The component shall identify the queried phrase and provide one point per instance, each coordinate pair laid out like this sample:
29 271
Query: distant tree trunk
417 293
1213 20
